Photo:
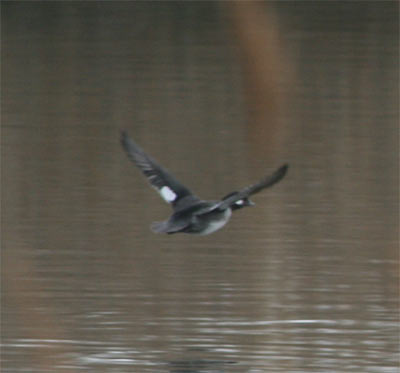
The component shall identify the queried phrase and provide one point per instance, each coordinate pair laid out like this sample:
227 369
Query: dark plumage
190 213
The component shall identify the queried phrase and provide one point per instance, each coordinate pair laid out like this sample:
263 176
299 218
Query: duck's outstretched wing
170 189
252 189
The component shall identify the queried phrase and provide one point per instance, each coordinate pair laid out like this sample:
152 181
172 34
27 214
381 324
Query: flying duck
190 213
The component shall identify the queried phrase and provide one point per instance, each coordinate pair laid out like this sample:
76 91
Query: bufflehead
190 213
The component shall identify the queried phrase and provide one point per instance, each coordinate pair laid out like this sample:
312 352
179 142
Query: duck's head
240 203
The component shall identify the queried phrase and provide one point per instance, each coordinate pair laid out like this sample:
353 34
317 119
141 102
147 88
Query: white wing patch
168 194
239 202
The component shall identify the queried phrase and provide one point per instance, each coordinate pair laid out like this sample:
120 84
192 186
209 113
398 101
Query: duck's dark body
193 220
191 214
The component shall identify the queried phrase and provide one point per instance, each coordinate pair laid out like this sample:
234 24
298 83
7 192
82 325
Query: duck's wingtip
283 169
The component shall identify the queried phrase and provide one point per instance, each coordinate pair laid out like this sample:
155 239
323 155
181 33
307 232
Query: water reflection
196 366
306 281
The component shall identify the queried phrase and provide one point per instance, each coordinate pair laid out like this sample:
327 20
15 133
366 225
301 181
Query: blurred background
222 93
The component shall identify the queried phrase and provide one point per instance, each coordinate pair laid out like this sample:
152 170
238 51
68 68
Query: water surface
306 281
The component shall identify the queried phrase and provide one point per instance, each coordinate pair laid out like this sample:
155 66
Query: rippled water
305 281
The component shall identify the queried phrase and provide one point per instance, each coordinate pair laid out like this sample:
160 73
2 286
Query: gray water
305 281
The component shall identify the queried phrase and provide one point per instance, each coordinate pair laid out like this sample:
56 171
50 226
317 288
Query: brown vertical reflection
264 69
